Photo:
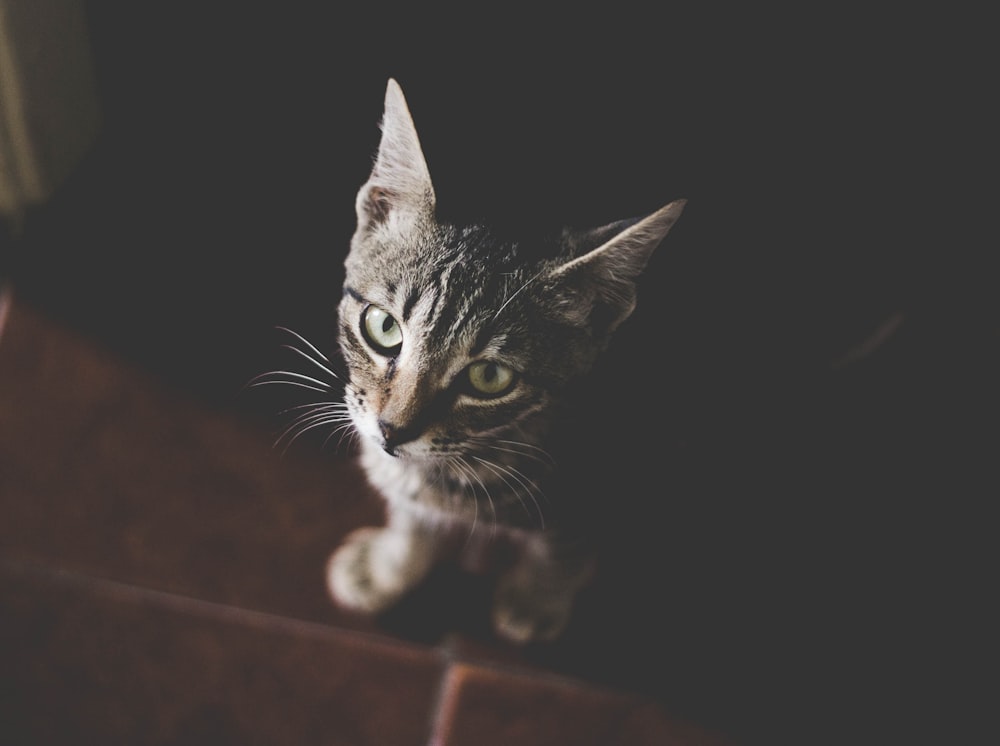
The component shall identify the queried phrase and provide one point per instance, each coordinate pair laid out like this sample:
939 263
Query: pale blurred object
49 112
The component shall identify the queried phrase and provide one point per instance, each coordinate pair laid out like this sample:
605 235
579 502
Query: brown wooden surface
161 581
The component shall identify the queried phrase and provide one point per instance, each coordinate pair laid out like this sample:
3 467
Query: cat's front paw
360 575
522 615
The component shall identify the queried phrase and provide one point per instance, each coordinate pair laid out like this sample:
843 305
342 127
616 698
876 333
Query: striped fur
460 347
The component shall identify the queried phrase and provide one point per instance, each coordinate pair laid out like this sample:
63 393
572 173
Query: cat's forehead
447 261
456 291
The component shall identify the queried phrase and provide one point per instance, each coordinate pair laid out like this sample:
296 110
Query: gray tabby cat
461 347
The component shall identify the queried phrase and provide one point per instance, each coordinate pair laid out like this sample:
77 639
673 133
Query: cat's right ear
598 289
399 188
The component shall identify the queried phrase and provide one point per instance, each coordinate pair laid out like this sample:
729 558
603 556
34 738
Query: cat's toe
521 619
350 575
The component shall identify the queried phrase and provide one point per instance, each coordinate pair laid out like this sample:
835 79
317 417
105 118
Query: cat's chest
416 487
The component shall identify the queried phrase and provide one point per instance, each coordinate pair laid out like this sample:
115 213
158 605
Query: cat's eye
488 379
381 331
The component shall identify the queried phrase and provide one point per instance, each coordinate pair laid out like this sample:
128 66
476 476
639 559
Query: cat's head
454 335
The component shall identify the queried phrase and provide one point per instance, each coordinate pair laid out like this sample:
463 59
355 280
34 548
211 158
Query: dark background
832 180
818 152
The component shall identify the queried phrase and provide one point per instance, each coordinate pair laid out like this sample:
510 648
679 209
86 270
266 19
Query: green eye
381 331
489 379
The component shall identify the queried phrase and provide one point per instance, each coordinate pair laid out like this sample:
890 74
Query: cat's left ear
598 288
400 184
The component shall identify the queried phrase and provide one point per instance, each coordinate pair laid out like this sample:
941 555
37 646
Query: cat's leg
534 598
375 567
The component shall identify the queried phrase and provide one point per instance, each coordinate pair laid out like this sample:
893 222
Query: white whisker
304 341
326 406
289 378
311 359
346 429
468 469
291 374
304 425
521 480
515 294
453 464
542 456
255 384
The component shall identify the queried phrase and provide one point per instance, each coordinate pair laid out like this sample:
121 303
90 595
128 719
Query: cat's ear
598 288
399 186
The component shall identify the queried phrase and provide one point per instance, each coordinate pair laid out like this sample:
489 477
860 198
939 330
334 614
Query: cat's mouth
424 450
416 451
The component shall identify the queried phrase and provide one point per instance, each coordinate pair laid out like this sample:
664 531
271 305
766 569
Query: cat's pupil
489 379
381 330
